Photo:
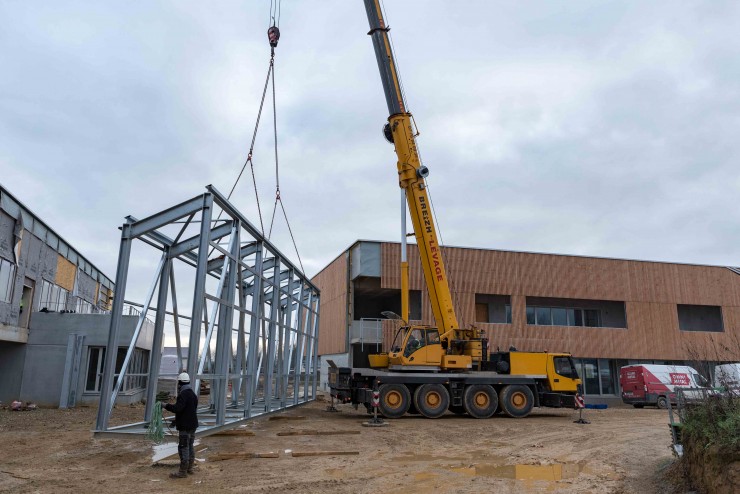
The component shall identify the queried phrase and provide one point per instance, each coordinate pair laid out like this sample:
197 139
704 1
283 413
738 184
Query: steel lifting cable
251 147
278 199
273 35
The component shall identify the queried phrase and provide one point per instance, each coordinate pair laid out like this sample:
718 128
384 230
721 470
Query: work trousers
185 446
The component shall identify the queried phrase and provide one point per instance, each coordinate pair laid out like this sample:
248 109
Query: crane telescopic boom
411 174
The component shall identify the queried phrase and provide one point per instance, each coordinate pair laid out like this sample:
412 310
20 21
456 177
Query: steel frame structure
264 314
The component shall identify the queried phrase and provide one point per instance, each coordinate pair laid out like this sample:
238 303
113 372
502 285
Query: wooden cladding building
606 312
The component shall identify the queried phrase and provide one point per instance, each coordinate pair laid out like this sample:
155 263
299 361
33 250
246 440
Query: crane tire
480 400
432 400
395 400
516 400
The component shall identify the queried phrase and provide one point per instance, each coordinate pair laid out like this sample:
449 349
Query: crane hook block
273 34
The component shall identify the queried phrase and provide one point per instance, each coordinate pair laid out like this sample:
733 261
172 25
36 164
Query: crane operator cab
420 348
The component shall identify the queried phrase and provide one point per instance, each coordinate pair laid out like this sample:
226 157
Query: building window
83 307
7 280
95 361
493 308
550 311
136 375
599 376
53 297
103 301
561 316
543 316
700 318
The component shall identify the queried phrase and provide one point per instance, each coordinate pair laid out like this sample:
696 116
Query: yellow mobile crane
446 367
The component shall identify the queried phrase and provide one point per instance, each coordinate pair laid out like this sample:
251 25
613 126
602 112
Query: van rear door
633 385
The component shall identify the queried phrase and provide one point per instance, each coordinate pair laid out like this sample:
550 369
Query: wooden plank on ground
324 453
315 433
241 455
287 417
235 432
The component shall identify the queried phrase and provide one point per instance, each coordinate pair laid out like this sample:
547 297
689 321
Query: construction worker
186 421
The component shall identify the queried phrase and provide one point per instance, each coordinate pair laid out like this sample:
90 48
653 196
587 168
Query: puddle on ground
557 471
481 463
474 455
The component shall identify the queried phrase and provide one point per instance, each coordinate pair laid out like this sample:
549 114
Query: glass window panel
591 376
44 300
54 298
4 281
63 294
591 318
92 369
578 321
559 317
543 316
571 316
530 315
606 376
508 314
564 368
120 357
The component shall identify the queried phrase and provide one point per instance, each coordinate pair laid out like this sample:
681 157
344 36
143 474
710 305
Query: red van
649 384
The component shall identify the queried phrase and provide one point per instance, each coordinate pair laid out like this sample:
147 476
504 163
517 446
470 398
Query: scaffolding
258 312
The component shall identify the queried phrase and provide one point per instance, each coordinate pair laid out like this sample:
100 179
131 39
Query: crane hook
273 35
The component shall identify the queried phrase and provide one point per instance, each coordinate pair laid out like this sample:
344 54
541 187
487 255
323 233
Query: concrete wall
11 370
46 353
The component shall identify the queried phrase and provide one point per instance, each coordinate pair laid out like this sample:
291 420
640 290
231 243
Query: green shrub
714 421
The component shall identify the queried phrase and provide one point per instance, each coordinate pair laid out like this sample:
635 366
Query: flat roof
732 268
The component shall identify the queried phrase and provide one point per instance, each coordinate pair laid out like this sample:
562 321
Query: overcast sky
592 128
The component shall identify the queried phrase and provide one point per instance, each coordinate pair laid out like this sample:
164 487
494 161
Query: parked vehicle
727 376
649 384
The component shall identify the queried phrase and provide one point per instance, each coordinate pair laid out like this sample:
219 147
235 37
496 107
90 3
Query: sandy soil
622 450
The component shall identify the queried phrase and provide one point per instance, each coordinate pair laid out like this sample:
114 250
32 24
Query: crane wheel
395 400
480 400
516 400
432 400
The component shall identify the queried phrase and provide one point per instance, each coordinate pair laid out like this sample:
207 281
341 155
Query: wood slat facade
649 290
333 282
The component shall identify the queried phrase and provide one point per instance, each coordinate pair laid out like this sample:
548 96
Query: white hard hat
183 377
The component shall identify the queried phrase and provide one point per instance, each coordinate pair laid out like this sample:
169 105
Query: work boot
182 472
191 466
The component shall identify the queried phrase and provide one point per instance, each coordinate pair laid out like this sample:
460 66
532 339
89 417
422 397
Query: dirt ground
622 450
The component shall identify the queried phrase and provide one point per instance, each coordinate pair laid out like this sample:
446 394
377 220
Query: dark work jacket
186 418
